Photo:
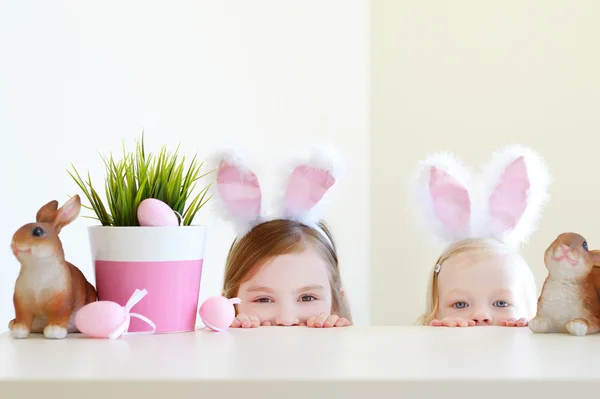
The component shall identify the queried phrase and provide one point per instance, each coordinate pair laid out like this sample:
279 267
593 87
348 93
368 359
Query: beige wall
470 76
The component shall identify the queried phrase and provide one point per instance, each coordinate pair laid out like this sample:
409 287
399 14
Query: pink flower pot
166 261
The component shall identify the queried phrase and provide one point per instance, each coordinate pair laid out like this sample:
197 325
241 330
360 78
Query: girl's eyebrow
457 291
315 287
502 292
259 289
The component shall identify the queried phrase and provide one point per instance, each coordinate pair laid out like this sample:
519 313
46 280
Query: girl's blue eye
307 298
460 305
501 304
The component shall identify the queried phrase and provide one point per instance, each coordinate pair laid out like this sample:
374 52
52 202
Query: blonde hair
280 237
478 247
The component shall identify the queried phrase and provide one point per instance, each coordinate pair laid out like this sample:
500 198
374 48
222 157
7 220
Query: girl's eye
307 298
585 246
460 305
501 304
263 300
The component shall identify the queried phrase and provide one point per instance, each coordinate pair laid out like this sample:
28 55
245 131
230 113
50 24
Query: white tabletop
405 359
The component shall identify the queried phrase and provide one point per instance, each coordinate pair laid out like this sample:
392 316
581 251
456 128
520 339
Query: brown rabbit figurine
568 302
596 270
49 290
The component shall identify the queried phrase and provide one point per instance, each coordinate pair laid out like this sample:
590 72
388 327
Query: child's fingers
236 323
452 322
464 323
246 323
266 323
522 323
461 322
316 321
320 320
342 322
448 322
331 320
254 322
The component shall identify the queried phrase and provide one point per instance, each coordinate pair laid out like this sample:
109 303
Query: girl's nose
481 318
287 319
482 321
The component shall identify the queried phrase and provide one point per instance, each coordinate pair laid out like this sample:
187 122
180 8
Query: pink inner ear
65 214
508 201
451 203
306 188
240 191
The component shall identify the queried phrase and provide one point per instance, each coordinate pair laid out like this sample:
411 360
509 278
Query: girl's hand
522 322
245 321
452 322
327 321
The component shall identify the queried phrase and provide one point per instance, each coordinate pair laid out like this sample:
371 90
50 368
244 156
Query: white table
301 362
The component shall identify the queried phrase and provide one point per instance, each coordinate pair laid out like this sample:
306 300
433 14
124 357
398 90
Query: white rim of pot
147 244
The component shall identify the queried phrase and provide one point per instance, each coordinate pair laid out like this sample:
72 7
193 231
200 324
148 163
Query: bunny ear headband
300 195
503 202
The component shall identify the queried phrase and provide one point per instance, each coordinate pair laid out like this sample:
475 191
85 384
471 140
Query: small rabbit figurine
596 270
569 301
49 290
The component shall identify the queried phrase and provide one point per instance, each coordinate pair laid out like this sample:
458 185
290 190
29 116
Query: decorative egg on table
218 312
155 213
99 319
108 319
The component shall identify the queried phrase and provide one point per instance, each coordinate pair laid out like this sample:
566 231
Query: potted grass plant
165 260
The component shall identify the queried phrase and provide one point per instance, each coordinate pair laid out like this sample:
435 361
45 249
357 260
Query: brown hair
478 247
280 237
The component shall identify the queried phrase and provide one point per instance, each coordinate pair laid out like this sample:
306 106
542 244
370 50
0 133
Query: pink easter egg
153 212
217 312
99 319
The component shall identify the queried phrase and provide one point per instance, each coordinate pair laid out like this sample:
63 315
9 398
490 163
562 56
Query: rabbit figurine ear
516 190
59 217
47 213
442 197
238 193
67 213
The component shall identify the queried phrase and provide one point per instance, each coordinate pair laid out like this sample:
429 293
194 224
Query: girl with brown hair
284 266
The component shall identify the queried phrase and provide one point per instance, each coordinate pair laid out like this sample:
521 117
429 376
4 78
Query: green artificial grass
138 176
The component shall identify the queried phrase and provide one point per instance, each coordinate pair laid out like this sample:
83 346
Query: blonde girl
480 279
284 266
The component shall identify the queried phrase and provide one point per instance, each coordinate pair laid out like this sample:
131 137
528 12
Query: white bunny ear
308 182
238 196
515 190
442 197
